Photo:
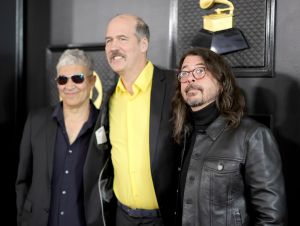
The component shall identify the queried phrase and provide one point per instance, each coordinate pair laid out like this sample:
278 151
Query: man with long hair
230 168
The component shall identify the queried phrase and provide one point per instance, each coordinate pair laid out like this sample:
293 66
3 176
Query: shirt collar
143 80
59 115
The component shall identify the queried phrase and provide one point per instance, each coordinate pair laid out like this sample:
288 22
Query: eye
199 71
184 74
123 38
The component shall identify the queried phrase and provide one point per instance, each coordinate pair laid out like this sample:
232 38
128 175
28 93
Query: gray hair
142 29
75 57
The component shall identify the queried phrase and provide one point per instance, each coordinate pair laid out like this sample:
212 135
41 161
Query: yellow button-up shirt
129 117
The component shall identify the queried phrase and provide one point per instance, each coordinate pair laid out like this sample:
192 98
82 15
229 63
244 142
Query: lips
192 87
116 55
70 94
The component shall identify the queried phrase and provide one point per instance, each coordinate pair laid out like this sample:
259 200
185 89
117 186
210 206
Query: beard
194 103
193 100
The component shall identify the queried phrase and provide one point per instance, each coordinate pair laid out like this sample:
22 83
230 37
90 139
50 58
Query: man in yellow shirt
143 154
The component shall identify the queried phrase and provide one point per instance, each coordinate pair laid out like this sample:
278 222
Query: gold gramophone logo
96 93
222 19
218 32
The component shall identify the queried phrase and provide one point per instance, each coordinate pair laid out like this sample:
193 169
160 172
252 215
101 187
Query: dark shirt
67 206
201 120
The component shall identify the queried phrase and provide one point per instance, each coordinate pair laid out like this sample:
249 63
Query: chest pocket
221 181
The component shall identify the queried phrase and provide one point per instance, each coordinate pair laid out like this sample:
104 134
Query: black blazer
33 183
163 151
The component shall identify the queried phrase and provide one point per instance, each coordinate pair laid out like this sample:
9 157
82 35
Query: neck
129 77
80 113
75 118
204 117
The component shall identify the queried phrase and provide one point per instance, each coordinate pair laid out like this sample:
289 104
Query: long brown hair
230 102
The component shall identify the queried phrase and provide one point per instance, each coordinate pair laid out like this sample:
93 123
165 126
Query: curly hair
230 102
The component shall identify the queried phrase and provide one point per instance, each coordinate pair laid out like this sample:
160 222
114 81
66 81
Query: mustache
192 86
115 53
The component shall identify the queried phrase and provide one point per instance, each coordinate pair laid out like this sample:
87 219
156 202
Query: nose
113 45
69 84
190 77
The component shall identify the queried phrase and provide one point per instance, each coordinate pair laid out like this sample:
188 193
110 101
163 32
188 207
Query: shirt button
70 151
67 172
62 213
220 166
64 192
188 201
196 155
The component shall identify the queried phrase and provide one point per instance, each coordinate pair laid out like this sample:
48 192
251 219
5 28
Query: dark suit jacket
163 151
33 184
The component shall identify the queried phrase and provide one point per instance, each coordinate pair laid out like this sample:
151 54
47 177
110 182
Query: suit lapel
50 142
156 106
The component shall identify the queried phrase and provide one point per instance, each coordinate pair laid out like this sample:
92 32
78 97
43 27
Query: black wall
24 35
9 136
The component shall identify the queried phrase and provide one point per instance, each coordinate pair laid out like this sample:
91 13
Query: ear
144 44
94 79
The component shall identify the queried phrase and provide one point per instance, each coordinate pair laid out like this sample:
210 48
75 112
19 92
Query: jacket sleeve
24 174
264 179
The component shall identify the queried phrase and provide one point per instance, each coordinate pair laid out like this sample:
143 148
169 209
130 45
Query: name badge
101 135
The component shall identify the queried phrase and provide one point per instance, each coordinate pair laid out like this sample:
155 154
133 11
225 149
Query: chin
71 104
116 66
194 102
117 69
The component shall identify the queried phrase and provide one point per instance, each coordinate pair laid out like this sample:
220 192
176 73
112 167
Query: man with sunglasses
55 184
231 167
143 152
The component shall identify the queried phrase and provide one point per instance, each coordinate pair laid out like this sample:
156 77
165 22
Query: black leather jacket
234 178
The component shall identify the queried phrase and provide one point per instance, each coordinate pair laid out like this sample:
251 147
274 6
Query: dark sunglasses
62 79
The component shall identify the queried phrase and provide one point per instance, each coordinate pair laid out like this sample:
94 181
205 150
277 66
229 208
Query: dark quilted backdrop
250 16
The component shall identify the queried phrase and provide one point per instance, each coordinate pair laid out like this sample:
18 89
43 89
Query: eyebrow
198 64
118 36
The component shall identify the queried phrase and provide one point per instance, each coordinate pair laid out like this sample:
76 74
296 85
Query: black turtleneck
200 120
203 118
